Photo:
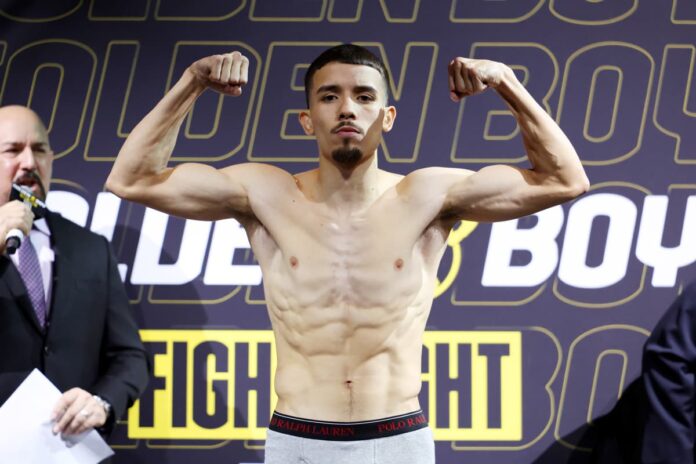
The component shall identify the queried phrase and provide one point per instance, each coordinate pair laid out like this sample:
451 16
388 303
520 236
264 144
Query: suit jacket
669 365
91 340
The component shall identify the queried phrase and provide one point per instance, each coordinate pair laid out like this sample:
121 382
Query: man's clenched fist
469 77
226 73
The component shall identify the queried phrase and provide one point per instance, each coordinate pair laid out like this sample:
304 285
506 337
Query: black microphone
15 236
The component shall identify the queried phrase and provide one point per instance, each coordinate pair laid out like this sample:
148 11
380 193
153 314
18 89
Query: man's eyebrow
17 144
364 88
356 89
328 88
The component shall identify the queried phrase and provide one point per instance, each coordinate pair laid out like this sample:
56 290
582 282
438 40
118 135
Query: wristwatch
104 404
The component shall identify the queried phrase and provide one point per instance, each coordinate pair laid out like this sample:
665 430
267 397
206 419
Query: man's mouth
32 182
347 131
27 181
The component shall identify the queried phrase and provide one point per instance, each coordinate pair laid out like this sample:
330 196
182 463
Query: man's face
347 112
25 155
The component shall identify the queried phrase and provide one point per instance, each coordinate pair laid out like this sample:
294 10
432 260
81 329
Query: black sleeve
125 367
669 358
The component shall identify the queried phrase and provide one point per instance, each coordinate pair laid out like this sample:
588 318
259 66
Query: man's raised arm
190 190
502 192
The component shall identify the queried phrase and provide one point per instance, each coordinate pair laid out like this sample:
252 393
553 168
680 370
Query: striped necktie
30 270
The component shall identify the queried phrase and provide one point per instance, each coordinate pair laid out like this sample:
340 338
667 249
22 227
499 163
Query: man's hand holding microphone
17 216
16 219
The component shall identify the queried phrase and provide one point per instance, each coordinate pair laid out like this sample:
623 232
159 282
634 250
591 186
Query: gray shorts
416 447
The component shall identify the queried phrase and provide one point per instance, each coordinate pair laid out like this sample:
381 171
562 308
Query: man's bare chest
361 261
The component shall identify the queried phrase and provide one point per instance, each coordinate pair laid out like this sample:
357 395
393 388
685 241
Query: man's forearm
548 148
149 146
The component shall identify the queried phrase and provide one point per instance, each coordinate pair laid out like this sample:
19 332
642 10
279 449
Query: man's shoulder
393 176
253 170
63 228
428 179
260 178
690 287
688 295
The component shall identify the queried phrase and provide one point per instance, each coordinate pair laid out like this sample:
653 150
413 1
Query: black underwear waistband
348 431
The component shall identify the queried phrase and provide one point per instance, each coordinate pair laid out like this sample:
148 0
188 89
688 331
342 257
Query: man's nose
346 109
27 159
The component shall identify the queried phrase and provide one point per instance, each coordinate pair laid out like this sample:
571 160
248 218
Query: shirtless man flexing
348 292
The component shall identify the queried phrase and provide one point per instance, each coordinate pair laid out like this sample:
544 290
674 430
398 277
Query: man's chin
347 157
39 192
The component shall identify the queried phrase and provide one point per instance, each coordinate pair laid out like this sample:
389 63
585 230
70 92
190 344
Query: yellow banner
218 385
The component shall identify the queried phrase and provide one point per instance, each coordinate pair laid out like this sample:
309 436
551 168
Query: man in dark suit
669 370
63 308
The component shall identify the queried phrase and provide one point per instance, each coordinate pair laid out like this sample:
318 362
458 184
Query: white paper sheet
26 430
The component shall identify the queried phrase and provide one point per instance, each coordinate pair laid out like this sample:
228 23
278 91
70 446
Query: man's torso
349 291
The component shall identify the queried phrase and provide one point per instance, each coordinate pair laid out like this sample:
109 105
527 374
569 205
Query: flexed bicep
199 191
194 191
502 192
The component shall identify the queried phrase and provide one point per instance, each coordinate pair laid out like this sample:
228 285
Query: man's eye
366 98
328 97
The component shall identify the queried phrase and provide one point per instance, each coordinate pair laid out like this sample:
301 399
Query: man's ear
306 122
389 117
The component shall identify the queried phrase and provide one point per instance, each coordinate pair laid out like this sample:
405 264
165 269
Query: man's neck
341 188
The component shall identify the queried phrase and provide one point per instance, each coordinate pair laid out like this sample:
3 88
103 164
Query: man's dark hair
347 54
